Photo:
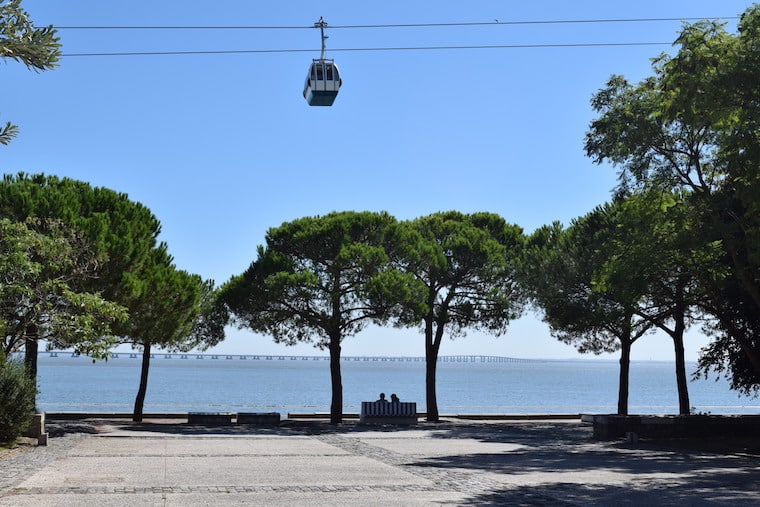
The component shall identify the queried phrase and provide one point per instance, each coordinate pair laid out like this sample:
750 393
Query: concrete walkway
311 463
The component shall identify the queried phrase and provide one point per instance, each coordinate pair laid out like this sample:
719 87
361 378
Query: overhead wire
529 22
414 48
495 22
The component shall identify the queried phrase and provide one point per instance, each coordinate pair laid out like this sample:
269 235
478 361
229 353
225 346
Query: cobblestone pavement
19 463
455 463
468 481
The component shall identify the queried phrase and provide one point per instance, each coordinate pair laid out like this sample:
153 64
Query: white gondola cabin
322 83
323 80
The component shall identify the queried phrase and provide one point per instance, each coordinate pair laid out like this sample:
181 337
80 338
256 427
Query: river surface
468 385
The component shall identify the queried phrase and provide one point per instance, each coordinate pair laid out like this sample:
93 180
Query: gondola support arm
322 24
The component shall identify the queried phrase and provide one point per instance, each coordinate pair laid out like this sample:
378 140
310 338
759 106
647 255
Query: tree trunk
684 406
432 346
336 406
679 328
625 368
31 349
431 400
137 415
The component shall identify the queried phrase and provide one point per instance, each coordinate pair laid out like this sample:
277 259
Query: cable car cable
412 25
537 22
495 22
345 50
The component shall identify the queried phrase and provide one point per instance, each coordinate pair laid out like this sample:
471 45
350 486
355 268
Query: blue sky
222 147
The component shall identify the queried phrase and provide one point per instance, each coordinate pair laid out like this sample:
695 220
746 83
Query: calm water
303 385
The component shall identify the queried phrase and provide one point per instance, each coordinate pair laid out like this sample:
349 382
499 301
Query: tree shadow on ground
60 429
180 427
574 432
602 472
572 494
549 458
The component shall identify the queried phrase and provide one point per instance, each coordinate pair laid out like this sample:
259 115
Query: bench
209 418
388 412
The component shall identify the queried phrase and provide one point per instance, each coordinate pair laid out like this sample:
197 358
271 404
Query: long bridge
280 357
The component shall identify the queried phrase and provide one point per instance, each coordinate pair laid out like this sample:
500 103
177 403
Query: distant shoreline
475 358
297 357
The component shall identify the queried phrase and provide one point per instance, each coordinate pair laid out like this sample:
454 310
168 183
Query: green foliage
657 253
319 279
465 266
20 40
42 265
165 312
8 132
166 306
694 127
122 232
115 240
17 399
316 279
464 269
614 275
576 278
736 336
208 329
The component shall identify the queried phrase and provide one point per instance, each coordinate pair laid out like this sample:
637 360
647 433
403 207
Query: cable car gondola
323 80
322 83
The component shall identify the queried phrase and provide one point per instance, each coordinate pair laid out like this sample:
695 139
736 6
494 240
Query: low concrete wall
473 417
511 417
210 418
76 416
608 427
260 418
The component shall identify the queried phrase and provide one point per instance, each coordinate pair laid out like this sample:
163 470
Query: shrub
18 394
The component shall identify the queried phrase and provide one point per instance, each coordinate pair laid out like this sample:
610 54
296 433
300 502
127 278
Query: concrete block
210 418
261 418
37 428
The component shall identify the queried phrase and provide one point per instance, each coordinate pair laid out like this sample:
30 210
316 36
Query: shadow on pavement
570 494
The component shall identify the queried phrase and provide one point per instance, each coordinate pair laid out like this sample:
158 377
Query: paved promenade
526 463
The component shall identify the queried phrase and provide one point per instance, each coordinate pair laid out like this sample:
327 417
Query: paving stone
457 463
